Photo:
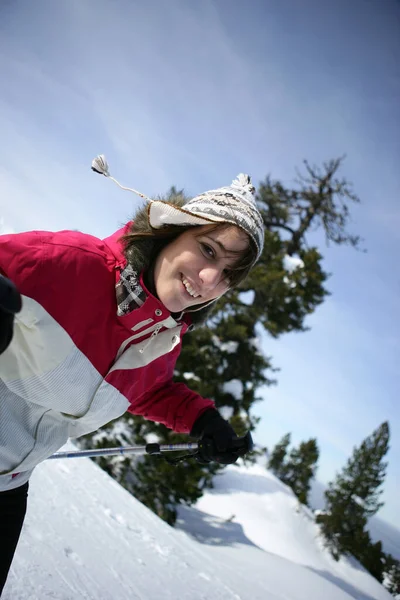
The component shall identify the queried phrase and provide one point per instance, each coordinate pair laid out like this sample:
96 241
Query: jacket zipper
149 340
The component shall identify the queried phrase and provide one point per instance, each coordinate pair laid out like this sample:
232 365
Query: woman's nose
210 277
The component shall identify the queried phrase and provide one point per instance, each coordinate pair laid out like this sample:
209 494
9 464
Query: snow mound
86 537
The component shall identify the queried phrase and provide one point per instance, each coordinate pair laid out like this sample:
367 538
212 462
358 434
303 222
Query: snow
119 430
247 539
291 284
228 347
226 412
291 263
189 375
152 438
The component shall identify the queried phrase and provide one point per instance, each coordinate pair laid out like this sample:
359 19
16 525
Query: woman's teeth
189 288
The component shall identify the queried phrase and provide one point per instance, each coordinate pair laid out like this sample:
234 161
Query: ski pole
147 449
241 445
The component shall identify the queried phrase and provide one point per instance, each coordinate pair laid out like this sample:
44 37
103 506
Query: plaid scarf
129 292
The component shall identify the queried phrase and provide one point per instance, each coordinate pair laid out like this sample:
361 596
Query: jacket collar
151 305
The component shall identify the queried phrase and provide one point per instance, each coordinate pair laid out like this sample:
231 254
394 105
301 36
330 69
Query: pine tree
354 496
278 456
224 360
391 572
371 556
300 468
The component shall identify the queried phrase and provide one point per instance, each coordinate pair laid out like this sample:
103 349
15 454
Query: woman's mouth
189 288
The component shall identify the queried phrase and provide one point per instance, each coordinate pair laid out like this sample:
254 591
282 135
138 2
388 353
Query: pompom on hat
231 204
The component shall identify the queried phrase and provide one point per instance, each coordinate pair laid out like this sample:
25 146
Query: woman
101 325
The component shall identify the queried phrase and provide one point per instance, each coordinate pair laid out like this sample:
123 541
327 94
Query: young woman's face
192 269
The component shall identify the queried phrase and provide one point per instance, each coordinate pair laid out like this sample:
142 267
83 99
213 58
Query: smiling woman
194 251
73 362
196 264
195 268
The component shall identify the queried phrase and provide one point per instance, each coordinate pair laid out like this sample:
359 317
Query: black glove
10 303
216 438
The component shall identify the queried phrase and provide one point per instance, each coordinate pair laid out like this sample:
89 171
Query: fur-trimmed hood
142 252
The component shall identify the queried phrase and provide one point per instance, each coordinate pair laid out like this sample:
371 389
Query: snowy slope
271 518
86 537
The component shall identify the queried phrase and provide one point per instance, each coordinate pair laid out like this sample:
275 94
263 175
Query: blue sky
192 93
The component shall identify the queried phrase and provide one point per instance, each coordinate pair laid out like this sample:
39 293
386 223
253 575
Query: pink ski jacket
74 364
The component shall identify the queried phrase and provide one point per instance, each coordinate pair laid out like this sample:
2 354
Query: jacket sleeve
20 255
172 404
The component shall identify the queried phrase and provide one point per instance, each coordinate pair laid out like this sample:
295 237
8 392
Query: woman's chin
174 304
180 301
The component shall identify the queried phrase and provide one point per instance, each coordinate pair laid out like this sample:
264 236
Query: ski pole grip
153 448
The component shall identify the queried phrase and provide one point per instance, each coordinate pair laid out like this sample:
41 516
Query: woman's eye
208 251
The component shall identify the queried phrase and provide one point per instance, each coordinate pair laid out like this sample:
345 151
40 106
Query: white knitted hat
231 204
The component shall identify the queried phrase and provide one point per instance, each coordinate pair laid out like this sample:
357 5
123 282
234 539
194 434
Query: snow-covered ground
85 537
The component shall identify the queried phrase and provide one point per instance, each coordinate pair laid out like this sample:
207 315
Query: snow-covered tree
300 468
391 575
278 456
224 360
353 497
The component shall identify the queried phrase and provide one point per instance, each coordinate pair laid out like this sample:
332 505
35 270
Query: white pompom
243 182
100 165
